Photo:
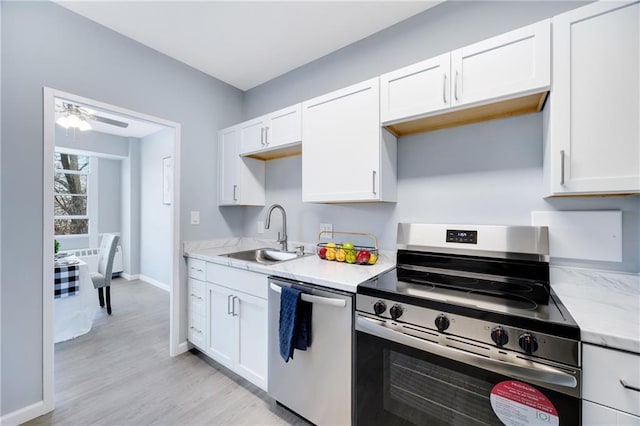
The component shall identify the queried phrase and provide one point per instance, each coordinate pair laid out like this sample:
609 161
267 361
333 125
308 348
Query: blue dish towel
295 322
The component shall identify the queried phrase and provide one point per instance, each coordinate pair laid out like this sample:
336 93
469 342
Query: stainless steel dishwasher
316 383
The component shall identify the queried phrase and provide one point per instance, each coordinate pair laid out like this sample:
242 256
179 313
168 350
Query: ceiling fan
76 116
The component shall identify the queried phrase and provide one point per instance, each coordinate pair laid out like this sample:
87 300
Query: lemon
341 255
331 253
373 258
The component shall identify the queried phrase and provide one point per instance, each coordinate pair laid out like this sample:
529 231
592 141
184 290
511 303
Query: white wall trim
49 95
24 414
130 277
155 282
184 347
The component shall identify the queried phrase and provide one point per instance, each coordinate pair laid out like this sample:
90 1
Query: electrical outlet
328 227
260 227
195 218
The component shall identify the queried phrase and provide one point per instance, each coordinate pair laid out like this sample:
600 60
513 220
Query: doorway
169 167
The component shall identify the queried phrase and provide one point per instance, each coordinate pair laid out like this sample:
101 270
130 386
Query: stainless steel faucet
282 240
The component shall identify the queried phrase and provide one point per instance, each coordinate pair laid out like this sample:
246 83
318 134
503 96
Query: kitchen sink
264 255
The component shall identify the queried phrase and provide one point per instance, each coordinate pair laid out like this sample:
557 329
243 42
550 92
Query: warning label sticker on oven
519 404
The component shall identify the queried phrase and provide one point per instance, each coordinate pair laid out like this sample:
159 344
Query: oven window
414 387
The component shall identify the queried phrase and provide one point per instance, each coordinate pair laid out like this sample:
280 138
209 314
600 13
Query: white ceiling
246 43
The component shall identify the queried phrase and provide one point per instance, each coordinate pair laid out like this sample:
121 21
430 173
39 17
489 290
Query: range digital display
461 236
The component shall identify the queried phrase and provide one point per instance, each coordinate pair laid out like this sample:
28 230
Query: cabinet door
228 142
512 64
595 108
416 90
251 314
599 415
222 325
284 127
253 135
341 145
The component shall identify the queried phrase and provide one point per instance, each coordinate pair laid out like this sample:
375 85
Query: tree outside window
70 194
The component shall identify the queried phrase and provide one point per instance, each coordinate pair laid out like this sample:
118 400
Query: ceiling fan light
73 120
63 122
84 125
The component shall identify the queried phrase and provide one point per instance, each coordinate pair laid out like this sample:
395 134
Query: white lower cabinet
610 386
228 320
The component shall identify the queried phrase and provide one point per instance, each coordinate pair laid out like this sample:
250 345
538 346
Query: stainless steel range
466 330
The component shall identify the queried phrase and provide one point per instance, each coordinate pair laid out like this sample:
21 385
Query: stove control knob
499 336
396 311
528 343
442 322
379 307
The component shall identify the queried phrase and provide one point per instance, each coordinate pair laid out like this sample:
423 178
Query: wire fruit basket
348 252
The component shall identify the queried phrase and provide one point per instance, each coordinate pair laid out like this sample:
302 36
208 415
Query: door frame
175 346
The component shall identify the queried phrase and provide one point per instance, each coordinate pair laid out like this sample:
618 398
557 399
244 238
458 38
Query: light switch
195 218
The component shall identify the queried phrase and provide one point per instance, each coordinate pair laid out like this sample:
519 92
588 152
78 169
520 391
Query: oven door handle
533 371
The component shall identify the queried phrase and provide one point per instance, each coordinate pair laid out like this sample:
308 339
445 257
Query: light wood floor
120 373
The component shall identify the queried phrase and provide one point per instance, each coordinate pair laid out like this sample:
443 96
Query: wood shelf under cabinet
278 152
502 109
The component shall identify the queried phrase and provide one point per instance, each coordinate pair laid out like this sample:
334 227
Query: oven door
407 380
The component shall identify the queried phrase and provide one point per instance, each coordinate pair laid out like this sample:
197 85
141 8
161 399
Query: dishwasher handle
328 301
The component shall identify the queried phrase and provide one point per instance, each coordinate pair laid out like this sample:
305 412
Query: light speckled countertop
310 269
606 305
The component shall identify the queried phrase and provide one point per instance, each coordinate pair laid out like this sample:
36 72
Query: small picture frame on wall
167 180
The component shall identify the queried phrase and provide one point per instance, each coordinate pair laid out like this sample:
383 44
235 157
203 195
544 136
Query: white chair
102 279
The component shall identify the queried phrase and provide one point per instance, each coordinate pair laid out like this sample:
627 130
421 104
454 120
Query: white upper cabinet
274 135
420 88
240 180
509 65
347 156
593 139
505 75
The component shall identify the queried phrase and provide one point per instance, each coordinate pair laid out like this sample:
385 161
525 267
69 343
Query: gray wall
109 195
36 40
482 173
130 213
155 217
95 142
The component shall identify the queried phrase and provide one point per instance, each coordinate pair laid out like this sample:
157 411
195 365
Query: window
71 177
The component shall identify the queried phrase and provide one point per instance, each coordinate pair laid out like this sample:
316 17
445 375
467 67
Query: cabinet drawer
238 280
599 415
196 268
197 289
196 331
604 370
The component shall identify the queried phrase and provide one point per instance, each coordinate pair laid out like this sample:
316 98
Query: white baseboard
130 277
154 282
24 414
183 347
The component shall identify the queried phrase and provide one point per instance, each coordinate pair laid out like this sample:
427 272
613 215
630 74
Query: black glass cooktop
517 310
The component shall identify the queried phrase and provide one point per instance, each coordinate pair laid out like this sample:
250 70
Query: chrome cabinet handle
562 167
444 89
266 136
628 386
262 136
455 91
235 192
196 330
229 309
233 306
373 181
197 269
328 301
531 371
196 296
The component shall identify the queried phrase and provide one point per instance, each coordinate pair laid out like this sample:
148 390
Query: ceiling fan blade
110 121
